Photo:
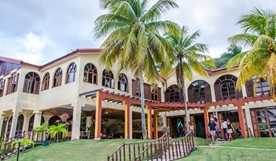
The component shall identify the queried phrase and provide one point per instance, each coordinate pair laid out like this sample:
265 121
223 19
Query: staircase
163 149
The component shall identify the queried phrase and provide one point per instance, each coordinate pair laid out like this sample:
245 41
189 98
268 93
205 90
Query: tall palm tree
232 51
188 56
133 40
259 35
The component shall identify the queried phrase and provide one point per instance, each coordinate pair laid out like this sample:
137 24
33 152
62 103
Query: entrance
199 126
173 126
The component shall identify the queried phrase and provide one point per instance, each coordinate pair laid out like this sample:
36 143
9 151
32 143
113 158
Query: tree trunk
182 84
144 130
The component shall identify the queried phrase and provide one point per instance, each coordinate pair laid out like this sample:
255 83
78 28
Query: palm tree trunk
182 85
144 130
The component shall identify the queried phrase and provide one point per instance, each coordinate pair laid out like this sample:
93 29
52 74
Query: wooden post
206 120
98 116
241 120
127 120
155 123
149 122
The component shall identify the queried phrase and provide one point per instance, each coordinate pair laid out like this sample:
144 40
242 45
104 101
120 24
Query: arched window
225 88
71 73
90 74
57 78
122 84
173 94
32 83
262 88
199 91
45 82
108 79
19 125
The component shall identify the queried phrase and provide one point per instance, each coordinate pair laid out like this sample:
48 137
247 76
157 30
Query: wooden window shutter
16 86
159 94
25 87
37 85
208 95
249 88
218 92
239 94
254 123
191 97
133 87
147 90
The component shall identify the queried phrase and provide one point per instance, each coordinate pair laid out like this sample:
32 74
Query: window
173 94
2 86
122 84
12 83
198 91
32 83
154 95
45 82
262 88
71 73
227 87
57 78
90 74
108 79
138 88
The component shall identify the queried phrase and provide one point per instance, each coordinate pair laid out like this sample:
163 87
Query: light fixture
19 139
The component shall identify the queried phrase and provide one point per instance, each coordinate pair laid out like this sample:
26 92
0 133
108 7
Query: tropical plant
187 56
133 40
54 130
232 51
25 142
42 127
260 61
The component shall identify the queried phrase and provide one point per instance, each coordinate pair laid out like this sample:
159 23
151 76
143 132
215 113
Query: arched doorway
31 122
53 120
20 122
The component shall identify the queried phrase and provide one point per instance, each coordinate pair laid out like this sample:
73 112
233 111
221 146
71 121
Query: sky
38 31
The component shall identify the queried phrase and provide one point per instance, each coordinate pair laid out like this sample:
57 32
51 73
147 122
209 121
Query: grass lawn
90 150
77 150
261 149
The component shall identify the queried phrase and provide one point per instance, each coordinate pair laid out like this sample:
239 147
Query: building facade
31 95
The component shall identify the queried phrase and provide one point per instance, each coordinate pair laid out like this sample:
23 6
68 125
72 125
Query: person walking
224 128
180 128
212 126
229 130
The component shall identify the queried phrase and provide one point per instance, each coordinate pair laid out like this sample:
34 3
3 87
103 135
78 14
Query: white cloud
29 48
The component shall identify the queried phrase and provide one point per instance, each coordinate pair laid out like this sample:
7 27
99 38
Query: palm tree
54 130
188 56
259 35
232 51
133 40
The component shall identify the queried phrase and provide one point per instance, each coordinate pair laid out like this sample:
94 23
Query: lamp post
19 139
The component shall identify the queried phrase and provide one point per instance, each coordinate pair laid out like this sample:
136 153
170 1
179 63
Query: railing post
124 151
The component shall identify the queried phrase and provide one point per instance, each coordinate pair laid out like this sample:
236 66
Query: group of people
180 128
214 128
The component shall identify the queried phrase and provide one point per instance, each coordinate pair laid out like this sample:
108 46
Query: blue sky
38 31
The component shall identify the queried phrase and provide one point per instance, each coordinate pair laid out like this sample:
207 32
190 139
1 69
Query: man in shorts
212 126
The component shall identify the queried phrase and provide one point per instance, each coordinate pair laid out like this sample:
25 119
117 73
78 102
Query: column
27 117
76 121
155 124
88 122
127 119
98 116
1 122
37 118
241 120
149 120
14 123
206 120
249 122
164 120
130 123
